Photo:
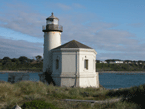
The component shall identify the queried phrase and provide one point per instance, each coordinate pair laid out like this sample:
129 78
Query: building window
86 64
57 63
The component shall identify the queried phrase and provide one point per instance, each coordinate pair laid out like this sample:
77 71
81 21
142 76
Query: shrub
38 104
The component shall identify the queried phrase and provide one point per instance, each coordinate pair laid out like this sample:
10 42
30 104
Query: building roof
73 44
52 17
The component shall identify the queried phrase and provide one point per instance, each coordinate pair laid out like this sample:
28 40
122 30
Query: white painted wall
72 64
45 52
57 55
87 81
52 40
91 57
69 62
119 62
88 77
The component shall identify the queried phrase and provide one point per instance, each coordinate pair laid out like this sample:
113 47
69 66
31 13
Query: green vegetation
25 64
22 64
119 67
39 104
25 92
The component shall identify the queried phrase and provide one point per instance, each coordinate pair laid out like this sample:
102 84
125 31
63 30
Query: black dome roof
52 17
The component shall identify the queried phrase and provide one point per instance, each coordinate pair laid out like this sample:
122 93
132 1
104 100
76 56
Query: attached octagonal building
73 64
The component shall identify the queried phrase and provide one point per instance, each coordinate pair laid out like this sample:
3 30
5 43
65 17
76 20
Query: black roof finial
52 17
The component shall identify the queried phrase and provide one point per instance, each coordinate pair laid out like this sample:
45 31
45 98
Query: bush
38 104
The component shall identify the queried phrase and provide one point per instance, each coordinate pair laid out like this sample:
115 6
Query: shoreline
9 71
121 71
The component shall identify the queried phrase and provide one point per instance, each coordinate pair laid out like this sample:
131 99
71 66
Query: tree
32 60
97 61
108 60
127 61
38 58
6 58
140 61
23 59
14 60
133 62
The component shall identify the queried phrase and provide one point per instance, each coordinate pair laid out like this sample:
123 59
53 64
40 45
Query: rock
16 107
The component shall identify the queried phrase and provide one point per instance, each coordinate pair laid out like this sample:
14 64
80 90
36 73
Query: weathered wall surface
91 56
52 40
87 81
72 71
69 62
88 77
68 81
65 75
57 55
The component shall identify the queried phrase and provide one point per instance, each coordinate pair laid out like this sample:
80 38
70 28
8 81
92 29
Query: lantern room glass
52 21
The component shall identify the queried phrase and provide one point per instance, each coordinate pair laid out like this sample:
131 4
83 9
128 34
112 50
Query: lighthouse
52 39
71 64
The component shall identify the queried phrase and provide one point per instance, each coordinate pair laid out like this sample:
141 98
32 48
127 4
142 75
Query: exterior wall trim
73 49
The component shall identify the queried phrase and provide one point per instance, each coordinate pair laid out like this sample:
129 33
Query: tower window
57 63
86 64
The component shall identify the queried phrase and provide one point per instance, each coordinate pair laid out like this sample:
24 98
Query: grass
25 91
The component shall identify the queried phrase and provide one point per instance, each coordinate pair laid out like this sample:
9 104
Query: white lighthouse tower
52 39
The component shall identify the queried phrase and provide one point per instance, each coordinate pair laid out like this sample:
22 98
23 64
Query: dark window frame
86 63
57 64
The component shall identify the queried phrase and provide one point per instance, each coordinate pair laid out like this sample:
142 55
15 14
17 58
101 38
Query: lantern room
52 20
52 24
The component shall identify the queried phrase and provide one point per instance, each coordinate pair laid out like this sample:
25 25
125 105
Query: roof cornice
73 49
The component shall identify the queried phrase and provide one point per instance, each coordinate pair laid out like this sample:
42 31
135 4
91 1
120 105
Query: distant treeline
22 64
122 61
120 67
25 64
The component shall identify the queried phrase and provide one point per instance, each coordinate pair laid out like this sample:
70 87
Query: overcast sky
114 28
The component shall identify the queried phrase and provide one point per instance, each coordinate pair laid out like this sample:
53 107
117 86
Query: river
107 80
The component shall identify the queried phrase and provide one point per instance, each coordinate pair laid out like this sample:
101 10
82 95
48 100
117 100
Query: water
121 80
107 80
24 76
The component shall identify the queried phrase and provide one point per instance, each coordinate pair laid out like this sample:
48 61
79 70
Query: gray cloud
63 6
15 49
78 5
23 19
23 23
136 25
85 28
99 35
